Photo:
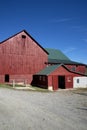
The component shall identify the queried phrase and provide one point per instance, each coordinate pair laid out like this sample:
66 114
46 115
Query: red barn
59 72
55 76
23 59
20 57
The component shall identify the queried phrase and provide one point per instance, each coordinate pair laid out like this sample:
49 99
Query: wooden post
13 83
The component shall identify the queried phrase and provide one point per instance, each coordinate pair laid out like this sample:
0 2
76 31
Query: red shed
55 76
21 56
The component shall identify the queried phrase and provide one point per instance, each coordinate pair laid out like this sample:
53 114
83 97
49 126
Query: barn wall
55 82
69 81
21 56
51 81
77 68
61 71
1 78
21 78
17 78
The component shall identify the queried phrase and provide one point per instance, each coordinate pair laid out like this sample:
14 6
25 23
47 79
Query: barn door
55 82
61 82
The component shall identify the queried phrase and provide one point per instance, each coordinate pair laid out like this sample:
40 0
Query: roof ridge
13 36
28 35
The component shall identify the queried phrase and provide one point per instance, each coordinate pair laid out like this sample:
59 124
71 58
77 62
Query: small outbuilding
54 77
80 82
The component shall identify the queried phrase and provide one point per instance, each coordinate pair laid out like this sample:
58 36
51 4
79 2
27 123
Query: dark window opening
6 77
23 36
73 68
77 80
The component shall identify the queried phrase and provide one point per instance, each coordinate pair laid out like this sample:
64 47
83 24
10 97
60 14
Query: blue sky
59 24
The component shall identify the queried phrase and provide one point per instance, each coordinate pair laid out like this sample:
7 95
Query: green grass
32 88
37 89
5 86
11 86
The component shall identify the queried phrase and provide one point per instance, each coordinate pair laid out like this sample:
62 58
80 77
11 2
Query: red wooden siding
55 82
21 56
52 80
61 71
77 68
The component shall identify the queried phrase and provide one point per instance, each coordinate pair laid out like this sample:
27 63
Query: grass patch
37 89
11 86
5 86
31 88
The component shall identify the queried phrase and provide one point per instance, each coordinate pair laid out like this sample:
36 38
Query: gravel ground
28 110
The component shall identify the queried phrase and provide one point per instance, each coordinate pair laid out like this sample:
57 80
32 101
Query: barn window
73 68
77 80
23 36
6 77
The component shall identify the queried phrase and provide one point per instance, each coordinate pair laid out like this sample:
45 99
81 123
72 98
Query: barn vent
23 36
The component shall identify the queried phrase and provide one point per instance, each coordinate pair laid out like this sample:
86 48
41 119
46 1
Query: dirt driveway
27 110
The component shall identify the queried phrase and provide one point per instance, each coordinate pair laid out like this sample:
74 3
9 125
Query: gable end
24 37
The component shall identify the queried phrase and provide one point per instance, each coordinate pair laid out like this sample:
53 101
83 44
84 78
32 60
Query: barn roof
48 70
56 54
57 57
29 36
56 61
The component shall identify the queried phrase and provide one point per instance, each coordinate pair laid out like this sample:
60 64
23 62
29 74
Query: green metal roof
56 61
56 54
57 57
48 69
